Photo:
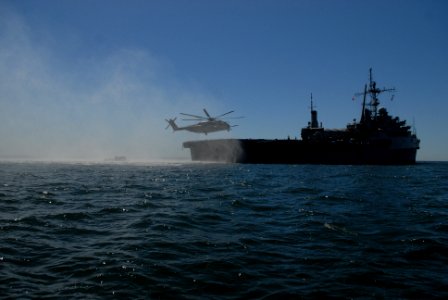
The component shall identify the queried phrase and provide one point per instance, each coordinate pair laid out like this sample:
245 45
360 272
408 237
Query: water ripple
195 231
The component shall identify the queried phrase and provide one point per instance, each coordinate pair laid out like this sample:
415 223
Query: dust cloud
54 107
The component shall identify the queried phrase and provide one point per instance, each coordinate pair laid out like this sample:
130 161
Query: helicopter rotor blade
194 116
225 114
207 114
232 118
196 120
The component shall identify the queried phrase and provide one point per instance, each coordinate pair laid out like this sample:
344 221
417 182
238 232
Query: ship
376 139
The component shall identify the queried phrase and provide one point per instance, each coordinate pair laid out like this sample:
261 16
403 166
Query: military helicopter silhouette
206 124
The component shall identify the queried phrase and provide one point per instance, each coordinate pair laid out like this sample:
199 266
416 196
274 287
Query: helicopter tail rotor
172 123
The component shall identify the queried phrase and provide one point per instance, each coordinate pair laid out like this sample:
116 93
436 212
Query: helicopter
206 123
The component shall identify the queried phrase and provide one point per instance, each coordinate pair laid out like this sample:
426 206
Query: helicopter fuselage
207 127
205 124
202 127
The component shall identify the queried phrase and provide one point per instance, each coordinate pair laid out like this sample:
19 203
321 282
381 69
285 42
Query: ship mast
314 121
373 91
363 112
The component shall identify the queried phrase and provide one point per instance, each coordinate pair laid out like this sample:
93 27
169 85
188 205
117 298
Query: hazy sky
94 79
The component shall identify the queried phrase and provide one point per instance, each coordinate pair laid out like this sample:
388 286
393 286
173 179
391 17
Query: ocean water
223 231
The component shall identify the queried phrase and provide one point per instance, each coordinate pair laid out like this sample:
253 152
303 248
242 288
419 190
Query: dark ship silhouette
377 138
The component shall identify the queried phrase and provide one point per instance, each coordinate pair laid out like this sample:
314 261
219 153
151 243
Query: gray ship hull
259 151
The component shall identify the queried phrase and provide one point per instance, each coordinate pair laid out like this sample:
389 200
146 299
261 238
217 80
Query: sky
93 79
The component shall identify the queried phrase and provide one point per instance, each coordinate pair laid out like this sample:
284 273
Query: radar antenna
373 91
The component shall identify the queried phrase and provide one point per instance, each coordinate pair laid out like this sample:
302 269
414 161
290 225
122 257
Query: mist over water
90 108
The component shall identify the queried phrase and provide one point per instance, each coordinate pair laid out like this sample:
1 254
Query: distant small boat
117 158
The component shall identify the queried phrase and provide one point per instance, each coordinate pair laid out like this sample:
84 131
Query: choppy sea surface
223 231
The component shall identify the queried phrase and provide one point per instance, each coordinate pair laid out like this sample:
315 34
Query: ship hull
299 152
